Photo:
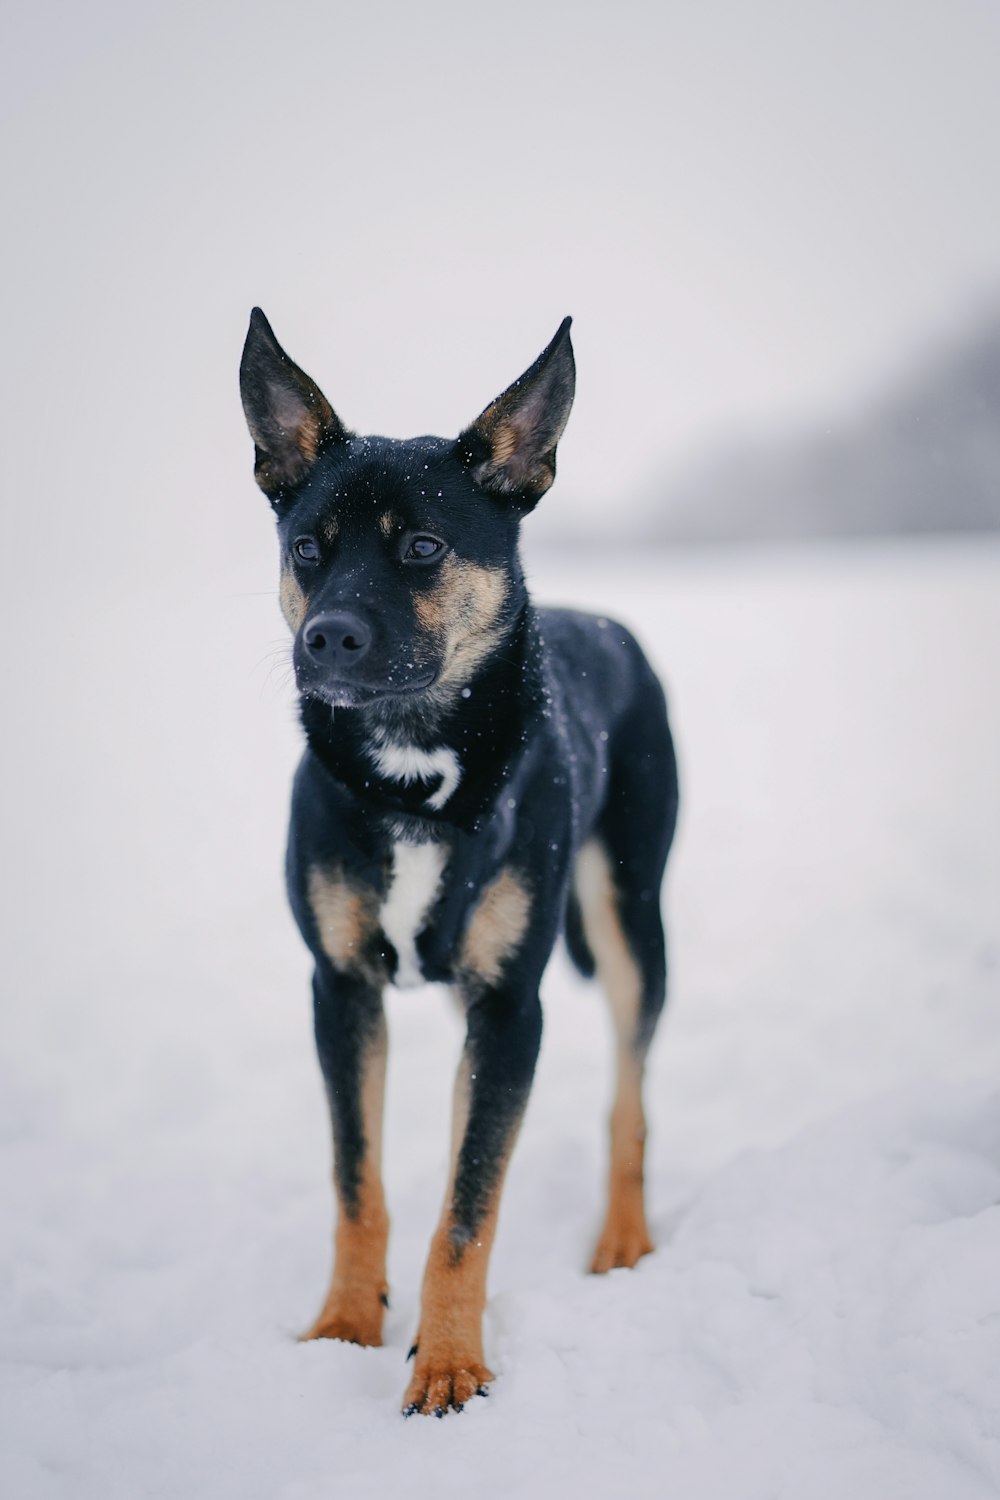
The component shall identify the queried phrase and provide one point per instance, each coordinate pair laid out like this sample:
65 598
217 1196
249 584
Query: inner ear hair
510 449
289 418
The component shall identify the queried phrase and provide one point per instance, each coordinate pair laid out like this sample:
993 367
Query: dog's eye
422 549
306 550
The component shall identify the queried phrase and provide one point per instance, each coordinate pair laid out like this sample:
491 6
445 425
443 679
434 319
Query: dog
480 775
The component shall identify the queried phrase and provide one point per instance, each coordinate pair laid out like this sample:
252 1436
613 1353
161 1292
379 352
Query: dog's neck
445 761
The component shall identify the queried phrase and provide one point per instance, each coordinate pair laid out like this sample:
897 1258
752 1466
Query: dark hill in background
924 458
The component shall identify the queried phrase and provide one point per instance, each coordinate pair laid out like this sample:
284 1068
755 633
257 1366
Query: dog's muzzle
334 661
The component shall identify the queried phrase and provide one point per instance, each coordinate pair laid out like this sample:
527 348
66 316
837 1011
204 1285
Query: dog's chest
414 884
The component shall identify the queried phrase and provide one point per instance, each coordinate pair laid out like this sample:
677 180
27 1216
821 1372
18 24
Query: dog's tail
576 941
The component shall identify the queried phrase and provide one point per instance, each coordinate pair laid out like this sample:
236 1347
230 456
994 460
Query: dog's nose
338 638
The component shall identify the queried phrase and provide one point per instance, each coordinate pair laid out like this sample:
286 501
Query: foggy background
775 225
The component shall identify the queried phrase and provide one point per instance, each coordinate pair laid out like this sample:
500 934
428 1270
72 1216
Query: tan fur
504 440
303 417
625 1236
512 464
449 1368
498 924
307 416
293 601
387 523
307 437
459 1116
461 613
330 528
346 917
355 1304
616 968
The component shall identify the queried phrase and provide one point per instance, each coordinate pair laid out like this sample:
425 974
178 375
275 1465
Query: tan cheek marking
484 591
462 613
292 600
346 918
432 609
497 927
466 596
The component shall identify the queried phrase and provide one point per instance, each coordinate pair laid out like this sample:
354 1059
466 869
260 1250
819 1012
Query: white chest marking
416 876
407 763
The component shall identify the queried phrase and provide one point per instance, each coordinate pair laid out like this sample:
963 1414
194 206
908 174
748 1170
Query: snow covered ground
822 1317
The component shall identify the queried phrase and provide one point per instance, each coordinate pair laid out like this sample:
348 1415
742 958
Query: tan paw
623 1242
355 1320
441 1385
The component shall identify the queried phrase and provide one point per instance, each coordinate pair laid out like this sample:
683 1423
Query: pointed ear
511 449
289 418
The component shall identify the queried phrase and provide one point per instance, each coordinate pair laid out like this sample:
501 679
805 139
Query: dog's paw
621 1245
350 1322
441 1385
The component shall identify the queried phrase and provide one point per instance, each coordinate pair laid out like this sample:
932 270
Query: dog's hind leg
351 1042
617 882
625 1236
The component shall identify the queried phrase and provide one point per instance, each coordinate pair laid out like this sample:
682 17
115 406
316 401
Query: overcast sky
755 212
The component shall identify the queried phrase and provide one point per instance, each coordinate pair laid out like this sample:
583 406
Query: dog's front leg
351 1042
491 1090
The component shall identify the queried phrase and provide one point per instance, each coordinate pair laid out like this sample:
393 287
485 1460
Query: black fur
558 727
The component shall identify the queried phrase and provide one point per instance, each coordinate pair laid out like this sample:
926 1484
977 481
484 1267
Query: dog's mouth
349 692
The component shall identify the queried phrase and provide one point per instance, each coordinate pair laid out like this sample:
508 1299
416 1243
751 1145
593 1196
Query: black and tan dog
480 775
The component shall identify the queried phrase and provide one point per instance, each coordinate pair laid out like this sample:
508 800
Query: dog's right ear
290 419
510 449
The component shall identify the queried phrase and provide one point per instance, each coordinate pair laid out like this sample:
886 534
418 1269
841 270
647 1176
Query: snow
822 1316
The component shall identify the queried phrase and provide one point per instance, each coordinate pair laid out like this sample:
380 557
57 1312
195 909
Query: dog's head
399 568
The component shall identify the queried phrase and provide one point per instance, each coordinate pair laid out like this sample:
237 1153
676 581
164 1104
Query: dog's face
399 566
396 578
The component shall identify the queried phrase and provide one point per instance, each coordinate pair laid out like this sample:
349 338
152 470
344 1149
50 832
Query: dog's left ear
510 449
289 418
